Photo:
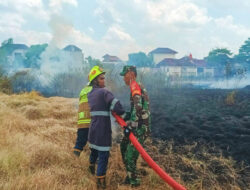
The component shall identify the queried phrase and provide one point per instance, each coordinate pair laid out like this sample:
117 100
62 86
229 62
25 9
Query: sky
120 27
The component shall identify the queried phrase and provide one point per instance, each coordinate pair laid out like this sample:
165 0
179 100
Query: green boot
126 181
101 182
133 180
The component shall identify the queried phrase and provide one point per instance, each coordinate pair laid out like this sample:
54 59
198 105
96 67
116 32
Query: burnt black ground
187 116
198 124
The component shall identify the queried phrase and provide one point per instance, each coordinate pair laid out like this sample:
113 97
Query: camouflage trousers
129 152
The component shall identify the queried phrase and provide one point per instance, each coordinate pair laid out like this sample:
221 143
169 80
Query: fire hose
148 159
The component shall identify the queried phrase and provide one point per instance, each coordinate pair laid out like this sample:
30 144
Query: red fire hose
148 159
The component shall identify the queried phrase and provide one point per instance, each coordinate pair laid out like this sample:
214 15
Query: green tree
92 62
3 54
6 42
3 57
220 58
140 60
33 55
244 54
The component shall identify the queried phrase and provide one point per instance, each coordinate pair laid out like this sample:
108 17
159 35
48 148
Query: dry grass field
36 139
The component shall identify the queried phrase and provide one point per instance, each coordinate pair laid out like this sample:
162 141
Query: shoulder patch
135 88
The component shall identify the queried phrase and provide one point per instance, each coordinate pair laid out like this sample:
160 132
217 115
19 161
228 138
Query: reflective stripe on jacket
101 103
84 117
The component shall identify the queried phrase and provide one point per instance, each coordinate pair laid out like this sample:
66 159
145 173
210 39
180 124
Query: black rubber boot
77 153
101 182
92 169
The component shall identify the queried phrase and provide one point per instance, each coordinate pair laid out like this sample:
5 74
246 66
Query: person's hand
126 116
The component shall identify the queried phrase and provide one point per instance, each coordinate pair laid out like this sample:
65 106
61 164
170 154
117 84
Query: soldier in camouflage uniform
138 120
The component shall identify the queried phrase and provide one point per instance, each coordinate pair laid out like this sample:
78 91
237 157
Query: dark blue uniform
101 103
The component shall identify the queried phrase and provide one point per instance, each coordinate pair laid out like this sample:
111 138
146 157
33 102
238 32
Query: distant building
202 69
144 70
110 59
185 67
72 48
73 55
208 72
177 67
15 52
160 54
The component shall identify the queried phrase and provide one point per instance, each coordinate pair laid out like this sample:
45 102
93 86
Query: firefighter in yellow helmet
101 102
94 73
84 118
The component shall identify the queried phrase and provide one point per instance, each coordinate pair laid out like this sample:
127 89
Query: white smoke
61 30
55 60
232 83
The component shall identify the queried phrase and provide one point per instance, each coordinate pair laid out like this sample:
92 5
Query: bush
24 81
230 100
5 83
68 84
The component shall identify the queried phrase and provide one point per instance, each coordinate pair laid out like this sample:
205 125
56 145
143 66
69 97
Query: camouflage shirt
140 111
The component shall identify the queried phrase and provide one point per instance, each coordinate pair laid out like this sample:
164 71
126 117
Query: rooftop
163 50
72 48
110 58
184 61
16 46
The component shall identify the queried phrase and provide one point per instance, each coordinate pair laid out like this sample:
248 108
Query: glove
127 131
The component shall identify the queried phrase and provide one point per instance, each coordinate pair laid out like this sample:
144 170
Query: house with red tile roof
186 66
110 59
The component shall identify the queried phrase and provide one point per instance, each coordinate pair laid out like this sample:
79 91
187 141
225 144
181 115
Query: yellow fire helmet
95 72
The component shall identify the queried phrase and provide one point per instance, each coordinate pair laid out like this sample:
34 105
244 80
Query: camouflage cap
128 68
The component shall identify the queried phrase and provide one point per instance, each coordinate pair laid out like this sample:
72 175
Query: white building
73 55
160 54
206 72
111 60
185 67
189 71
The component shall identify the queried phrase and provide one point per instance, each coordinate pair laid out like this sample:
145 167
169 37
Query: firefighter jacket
84 110
101 103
